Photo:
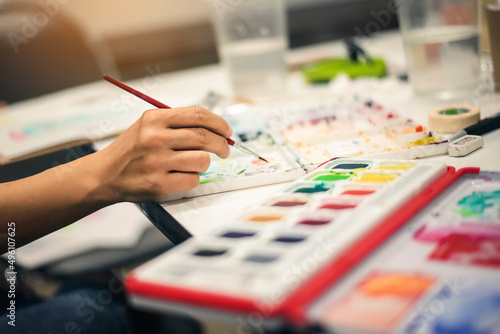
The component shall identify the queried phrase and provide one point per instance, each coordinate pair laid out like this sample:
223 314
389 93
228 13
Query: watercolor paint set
355 246
310 222
295 137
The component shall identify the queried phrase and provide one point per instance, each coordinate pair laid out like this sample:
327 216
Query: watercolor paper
43 123
241 170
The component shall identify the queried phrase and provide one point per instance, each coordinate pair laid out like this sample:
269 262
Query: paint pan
349 165
210 252
261 256
237 233
314 219
266 216
311 188
336 204
395 165
357 190
289 237
375 177
328 176
289 201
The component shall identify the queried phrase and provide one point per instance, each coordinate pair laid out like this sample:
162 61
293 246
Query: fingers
177 181
195 117
198 139
188 161
183 172
194 128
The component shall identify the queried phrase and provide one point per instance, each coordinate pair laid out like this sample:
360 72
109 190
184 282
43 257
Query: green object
311 190
453 111
210 180
332 177
325 70
475 204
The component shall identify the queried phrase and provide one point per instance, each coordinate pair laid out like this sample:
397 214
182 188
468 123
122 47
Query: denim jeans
86 310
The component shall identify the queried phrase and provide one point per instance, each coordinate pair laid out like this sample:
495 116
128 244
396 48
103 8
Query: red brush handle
145 97
140 95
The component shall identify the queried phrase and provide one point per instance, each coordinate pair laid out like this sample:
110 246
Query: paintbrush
158 104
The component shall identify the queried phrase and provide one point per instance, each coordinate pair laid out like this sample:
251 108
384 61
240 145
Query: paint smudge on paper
349 129
468 250
378 302
477 203
471 306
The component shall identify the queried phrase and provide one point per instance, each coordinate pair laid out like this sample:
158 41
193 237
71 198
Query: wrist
93 180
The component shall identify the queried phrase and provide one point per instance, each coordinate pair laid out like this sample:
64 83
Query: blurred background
48 45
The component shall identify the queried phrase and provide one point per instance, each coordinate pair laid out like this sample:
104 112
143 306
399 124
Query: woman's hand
163 152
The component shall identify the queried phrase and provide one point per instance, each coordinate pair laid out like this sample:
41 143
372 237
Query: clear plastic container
251 41
441 41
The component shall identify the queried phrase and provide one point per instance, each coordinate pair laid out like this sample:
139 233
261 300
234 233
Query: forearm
45 202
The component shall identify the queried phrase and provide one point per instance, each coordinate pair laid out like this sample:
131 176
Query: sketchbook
63 119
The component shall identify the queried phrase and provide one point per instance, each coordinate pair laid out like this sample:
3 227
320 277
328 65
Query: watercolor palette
450 285
354 128
276 245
